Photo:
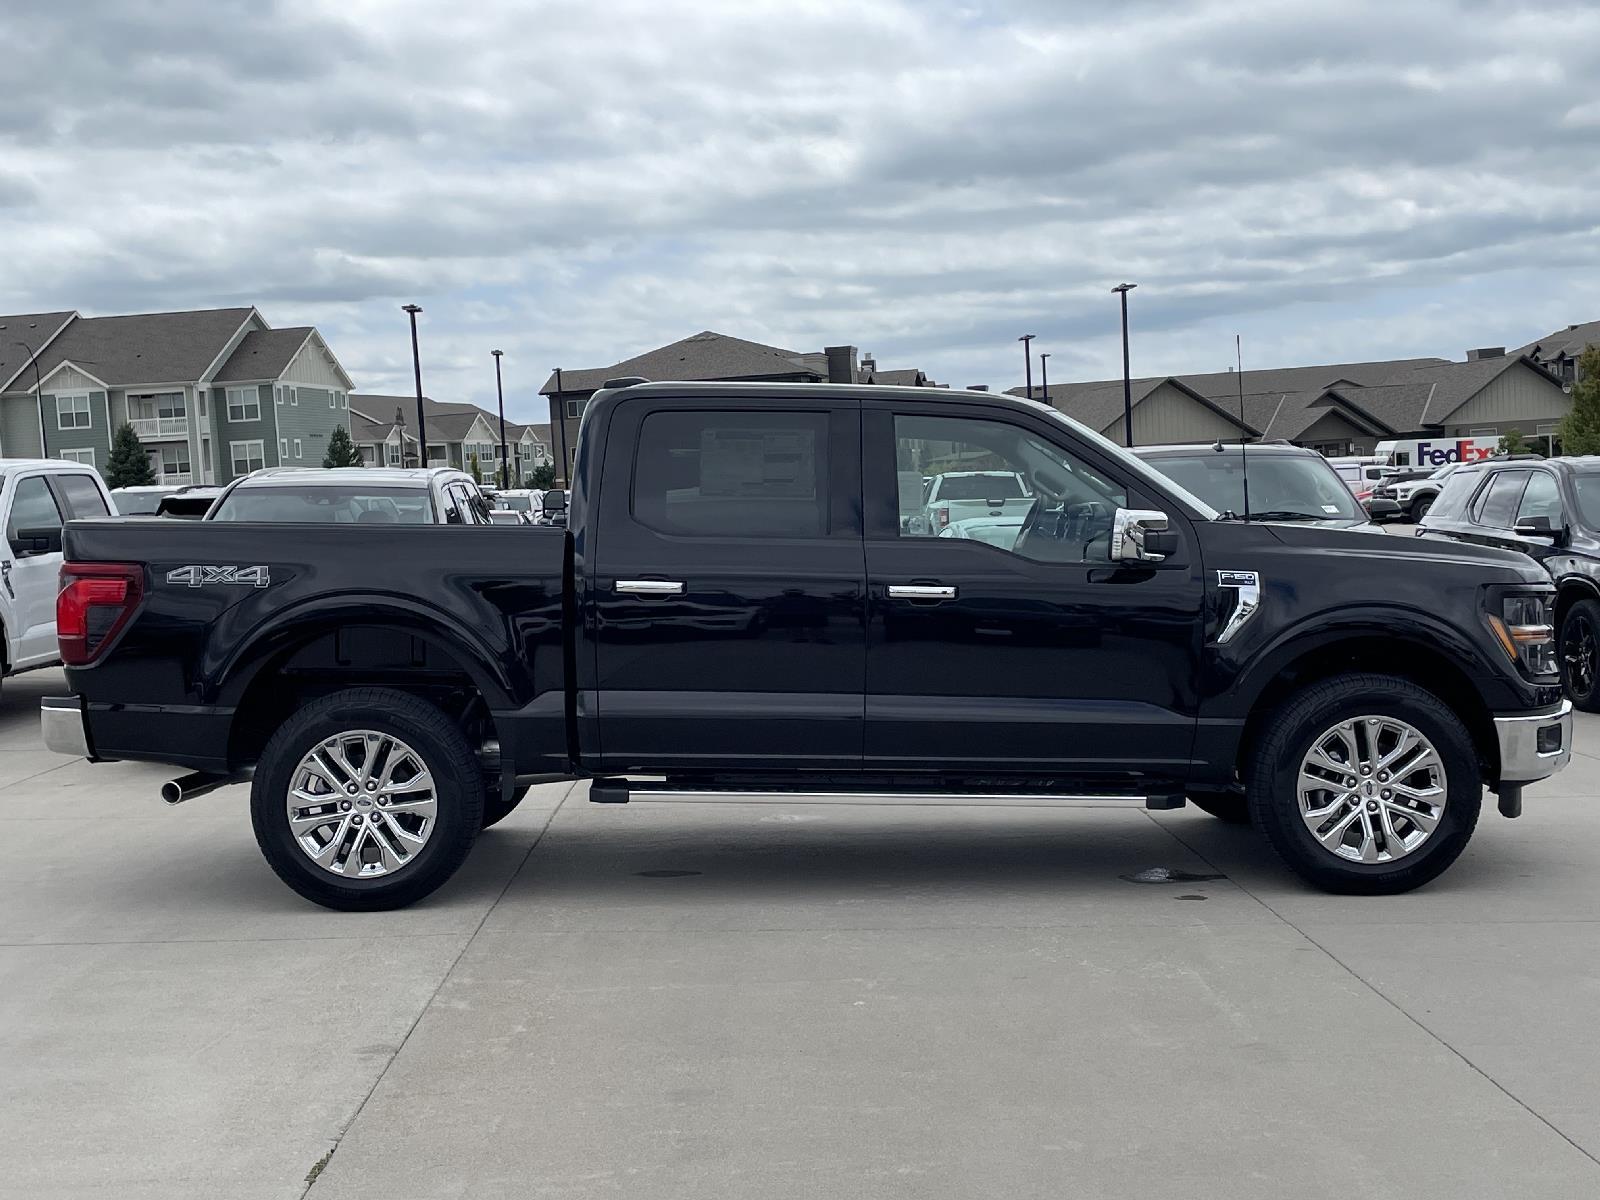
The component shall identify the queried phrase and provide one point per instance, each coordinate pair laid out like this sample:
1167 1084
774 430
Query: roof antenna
1244 431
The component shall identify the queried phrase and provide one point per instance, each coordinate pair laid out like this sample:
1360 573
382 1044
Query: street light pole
416 366
561 425
500 391
38 396
1123 289
1027 359
1044 375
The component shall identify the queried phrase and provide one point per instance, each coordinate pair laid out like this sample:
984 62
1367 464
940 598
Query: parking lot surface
786 1000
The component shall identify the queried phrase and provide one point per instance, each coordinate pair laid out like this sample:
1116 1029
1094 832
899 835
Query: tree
542 477
1511 442
342 451
472 466
1579 430
129 464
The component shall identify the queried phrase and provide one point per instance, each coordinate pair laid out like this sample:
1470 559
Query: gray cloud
574 182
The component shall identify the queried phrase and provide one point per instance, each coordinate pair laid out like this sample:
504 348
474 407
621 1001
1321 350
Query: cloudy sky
575 182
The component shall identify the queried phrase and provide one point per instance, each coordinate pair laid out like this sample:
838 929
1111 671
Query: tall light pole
1123 289
1044 374
416 365
1027 359
500 391
561 425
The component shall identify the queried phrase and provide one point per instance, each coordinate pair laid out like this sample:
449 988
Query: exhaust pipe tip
172 792
198 783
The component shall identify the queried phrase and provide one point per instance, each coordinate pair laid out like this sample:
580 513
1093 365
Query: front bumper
1521 737
65 730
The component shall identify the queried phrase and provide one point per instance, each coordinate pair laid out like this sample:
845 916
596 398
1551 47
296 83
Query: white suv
36 497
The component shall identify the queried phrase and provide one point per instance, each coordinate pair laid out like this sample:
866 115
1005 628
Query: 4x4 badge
201 576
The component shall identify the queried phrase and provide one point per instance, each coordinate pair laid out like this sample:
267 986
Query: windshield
136 504
1285 485
311 505
996 486
517 503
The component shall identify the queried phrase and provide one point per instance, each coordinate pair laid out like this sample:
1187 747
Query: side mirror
1141 535
36 541
1533 527
554 502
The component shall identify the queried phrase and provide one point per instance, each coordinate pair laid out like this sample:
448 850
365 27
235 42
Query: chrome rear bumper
1521 737
64 729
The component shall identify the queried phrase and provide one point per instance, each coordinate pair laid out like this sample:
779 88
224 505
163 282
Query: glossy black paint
784 657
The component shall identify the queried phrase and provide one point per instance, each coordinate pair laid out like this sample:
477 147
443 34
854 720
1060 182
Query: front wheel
366 799
1580 654
1419 508
1365 784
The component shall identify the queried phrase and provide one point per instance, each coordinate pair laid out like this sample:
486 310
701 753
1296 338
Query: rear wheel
366 799
1365 784
1580 654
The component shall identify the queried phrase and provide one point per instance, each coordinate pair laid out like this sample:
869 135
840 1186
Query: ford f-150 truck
736 607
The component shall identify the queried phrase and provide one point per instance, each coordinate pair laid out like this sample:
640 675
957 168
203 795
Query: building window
244 404
394 455
344 400
86 457
294 397
200 401
297 453
277 392
283 449
172 463
72 411
247 456
575 407
1483 431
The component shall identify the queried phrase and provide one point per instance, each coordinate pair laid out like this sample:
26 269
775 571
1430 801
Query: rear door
727 591
33 519
1022 647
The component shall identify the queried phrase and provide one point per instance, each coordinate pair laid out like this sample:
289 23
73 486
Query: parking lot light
500 391
416 366
1122 289
1027 359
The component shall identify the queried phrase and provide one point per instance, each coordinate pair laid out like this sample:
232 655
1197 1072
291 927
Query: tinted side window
1541 499
1497 503
733 474
32 508
83 497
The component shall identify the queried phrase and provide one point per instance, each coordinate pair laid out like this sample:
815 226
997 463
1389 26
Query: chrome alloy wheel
1372 789
362 804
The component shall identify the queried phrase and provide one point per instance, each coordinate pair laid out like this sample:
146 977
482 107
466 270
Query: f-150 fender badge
1248 585
204 576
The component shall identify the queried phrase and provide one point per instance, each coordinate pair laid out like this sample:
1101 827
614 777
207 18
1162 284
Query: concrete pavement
674 1000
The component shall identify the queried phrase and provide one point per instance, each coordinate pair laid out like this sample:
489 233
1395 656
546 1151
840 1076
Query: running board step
621 791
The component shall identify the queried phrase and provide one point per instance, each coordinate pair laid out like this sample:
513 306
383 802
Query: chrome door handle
921 591
649 587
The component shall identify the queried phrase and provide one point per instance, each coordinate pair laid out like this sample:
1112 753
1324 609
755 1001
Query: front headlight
1526 632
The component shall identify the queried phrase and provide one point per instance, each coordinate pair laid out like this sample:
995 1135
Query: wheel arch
1569 590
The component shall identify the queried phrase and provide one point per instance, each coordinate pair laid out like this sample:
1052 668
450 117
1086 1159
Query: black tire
1579 650
458 788
1420 507
1273 766
1229 807
496 809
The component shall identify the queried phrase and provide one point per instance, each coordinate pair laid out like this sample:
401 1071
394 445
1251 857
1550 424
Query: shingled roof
146 348
705 355
34 329
263 354
1570 341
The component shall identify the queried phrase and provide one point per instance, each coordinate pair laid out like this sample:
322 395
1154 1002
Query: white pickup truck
959 495
37 495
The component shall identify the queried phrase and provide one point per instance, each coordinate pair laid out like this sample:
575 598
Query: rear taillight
96 600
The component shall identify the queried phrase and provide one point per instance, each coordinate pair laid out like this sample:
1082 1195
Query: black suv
1550 509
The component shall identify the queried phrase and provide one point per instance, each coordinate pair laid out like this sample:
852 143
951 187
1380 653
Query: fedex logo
1463 450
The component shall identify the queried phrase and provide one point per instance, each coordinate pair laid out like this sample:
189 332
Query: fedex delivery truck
1418 453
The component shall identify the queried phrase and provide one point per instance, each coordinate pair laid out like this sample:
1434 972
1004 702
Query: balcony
160 427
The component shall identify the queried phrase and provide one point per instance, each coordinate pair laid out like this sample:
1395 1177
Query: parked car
736 608
190 503
354 496
1550 509
1287 483
519 499
36 496
509 516
1413 494
142 500
957 495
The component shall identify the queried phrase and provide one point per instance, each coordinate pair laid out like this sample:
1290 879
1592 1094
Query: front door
29 572
727 593
1010 640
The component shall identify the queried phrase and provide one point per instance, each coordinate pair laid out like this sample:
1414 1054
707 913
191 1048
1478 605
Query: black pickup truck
739 604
